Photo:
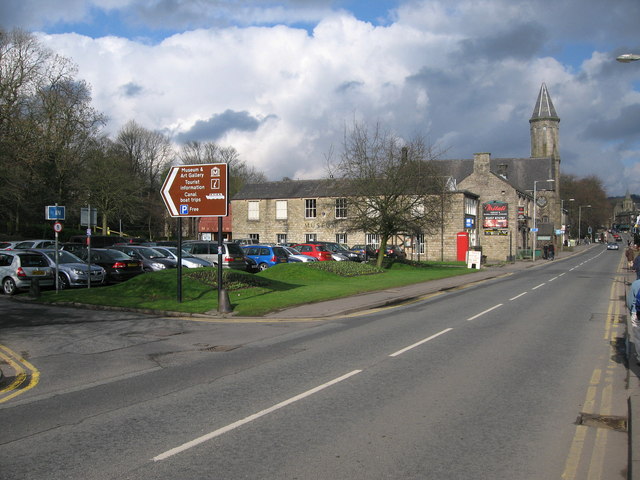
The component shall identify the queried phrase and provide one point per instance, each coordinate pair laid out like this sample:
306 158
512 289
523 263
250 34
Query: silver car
295 256
232 253
188 260
73 271
19 268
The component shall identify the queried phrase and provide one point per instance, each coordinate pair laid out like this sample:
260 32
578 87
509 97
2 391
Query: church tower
544 124
545 133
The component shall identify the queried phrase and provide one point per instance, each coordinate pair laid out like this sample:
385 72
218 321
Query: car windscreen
32 260
63 257
279 252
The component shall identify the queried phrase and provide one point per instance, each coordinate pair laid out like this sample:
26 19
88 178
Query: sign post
198 191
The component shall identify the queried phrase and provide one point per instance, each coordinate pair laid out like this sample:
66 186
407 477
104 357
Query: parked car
393 251
42 243
613 246
294 255
73 247
72 270
246 241
19 268
188 260
152 260
266 255
97 241
161 243
340 253
118 265
10 245
366 251
232 253
316 250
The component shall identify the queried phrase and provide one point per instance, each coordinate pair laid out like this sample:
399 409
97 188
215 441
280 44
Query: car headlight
159 266
77 271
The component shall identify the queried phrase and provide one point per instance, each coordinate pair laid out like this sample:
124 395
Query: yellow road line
24 371
597 381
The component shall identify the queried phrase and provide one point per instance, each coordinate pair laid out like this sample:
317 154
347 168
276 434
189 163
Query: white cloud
464 73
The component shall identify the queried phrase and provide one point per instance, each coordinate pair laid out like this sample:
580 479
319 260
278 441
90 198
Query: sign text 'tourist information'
197 190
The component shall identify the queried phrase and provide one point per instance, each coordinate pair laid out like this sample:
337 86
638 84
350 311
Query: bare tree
240 172
46 124
392 186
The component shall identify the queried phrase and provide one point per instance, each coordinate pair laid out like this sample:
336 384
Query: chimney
481 163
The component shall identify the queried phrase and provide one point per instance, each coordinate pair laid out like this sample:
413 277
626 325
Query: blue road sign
54 212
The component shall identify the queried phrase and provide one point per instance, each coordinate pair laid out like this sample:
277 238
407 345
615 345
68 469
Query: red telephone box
462 239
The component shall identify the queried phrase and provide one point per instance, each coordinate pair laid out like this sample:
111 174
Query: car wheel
263 266
9 286
63 281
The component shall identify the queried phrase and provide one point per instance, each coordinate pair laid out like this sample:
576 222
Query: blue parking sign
54 212
184 209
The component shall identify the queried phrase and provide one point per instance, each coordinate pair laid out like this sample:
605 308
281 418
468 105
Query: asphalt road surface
486 382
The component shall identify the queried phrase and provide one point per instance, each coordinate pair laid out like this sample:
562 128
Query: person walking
551 251
630 255
632 302
635 266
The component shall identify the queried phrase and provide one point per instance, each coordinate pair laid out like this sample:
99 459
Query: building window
341 208
341 238
281 209
421 243
254 236
310 210
253 212
373 239
310 237
281 238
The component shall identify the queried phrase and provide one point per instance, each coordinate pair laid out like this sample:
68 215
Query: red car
318 251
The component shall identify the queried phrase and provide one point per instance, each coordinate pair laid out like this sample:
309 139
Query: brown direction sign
197 190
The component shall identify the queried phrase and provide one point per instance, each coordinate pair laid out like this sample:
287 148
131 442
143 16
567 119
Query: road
486 382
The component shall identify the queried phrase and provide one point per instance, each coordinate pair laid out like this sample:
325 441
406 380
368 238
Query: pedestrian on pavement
636 265
632 300
630 255
551 252
545 251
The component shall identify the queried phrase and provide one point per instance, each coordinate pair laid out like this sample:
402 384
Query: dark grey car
152 260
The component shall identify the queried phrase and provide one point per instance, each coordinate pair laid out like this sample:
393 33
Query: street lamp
628 57
535 229
580 218
563 221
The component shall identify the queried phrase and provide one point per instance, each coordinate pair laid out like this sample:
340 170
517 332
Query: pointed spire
544 106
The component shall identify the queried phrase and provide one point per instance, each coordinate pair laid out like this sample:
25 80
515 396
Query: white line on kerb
517 296
250 418
400 352
486 311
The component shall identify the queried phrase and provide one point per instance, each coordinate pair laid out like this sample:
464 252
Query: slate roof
288 189
544 106
520 173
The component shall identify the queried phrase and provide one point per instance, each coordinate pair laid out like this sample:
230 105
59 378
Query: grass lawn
276 288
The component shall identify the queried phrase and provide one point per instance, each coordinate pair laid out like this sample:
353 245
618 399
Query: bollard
34 288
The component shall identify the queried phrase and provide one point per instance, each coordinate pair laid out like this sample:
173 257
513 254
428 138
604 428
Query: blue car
266 255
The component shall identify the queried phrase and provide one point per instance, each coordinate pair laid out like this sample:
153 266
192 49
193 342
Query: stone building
490 200
306 210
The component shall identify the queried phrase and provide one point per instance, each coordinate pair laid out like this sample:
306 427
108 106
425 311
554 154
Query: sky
280 81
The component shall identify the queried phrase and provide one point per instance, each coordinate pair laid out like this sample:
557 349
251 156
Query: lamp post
563 221
580 218
535 229
628 58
